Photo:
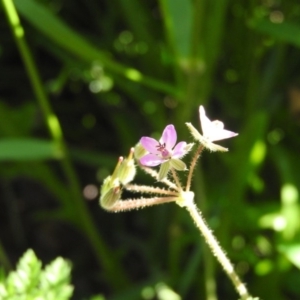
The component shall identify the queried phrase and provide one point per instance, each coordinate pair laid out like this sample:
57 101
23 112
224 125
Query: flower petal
150 144
169 137
205 122
221 135
213 130
179 150
151 160
204 141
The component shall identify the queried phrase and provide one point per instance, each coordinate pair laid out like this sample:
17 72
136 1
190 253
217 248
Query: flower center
162 149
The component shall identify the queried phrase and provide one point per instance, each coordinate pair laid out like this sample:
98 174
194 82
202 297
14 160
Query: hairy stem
217 251
139 203
149 189
176 179
192 167
154 174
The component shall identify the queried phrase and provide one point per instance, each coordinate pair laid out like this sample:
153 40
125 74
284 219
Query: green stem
194 77
168 26
177 181
130 204
102 253
209 266
192 167
217 250
82 49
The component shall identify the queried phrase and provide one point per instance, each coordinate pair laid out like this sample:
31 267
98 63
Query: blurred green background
81 81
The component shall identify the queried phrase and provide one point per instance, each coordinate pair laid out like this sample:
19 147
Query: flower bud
109 199
108 183
139 151
127 169
111 181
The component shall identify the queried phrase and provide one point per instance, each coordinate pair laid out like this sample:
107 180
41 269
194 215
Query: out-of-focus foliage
109 72
29 281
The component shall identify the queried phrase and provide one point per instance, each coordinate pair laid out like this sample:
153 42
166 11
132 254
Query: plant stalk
217 251
102 253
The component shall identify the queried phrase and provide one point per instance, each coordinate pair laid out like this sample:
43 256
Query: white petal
213 130
205 122
221 135
204 141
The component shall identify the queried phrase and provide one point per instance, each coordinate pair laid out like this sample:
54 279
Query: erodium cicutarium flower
164 152
212 131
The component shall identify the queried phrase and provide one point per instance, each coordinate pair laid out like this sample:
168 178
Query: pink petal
179 150
150 144
169 137
151 160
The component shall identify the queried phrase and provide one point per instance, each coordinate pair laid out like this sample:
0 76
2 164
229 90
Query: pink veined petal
179 150
169 137
150 144
151 160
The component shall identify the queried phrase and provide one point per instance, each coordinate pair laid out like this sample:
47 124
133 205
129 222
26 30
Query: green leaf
292 253
251 149
178 18
26 277
17 121
30 282
97 297
55 278
28 149
62 35
285 31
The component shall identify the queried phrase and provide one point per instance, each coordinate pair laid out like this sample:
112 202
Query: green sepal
202 140
177 164
109 199
164 169
139 151
127 171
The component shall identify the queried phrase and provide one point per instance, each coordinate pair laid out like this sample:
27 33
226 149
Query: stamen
161 147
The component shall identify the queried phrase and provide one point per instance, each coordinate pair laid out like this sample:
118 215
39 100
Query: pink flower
162 150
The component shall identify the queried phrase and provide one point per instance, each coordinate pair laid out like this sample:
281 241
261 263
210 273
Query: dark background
113 71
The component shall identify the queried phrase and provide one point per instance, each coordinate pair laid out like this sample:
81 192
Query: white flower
212 131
